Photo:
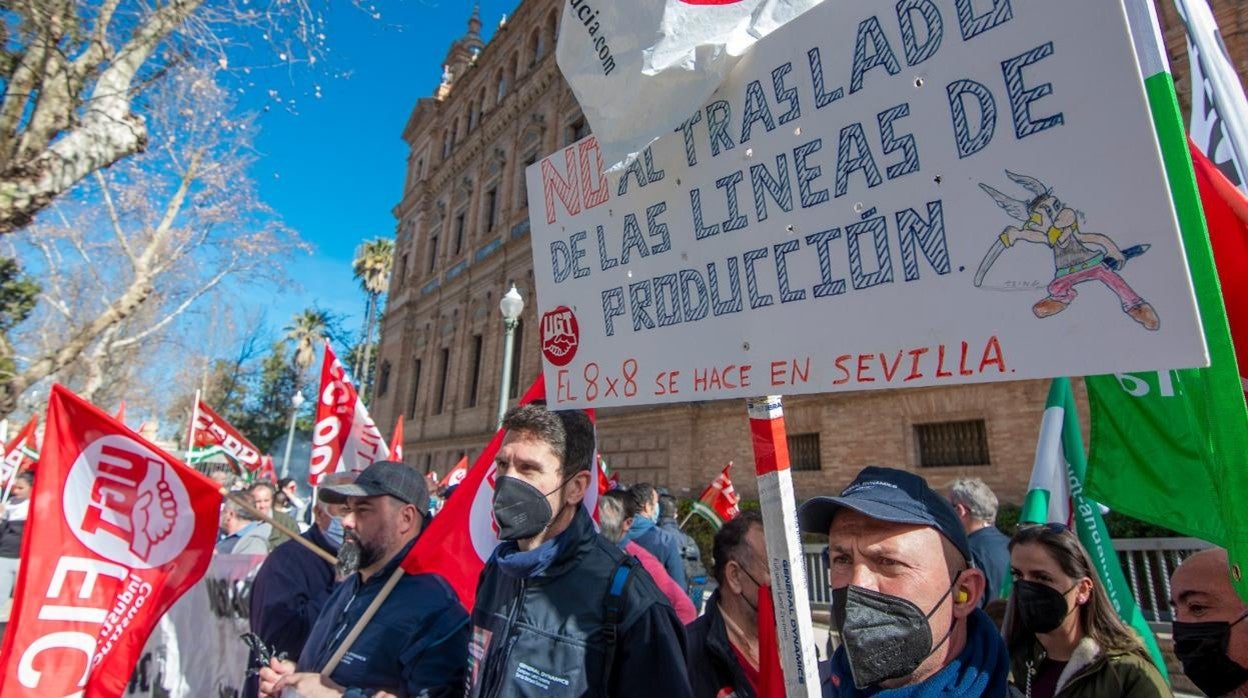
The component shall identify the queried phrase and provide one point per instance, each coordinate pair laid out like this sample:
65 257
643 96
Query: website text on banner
875 199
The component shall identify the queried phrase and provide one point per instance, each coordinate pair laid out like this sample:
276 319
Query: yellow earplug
962 596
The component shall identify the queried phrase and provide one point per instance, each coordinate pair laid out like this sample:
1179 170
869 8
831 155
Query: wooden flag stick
294 535
363 621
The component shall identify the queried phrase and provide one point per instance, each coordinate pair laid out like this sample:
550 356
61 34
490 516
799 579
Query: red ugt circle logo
560 336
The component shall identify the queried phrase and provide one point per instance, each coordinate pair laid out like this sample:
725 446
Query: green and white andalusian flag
1171 448
1055 495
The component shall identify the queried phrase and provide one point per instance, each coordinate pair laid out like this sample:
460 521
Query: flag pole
294 535
363 621
190 433
795 631
685 520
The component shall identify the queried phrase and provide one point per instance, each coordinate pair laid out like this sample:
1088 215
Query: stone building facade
462 240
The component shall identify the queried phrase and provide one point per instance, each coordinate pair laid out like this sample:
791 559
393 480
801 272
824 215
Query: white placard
821 223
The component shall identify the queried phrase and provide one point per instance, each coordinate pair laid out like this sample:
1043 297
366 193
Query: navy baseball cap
396 479
888 494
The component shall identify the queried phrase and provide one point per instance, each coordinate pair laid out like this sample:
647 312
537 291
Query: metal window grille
804 452
943 444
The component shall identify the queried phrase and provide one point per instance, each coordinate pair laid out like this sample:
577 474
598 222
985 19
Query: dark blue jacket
666 548
543 633
290 589
416 645
990 551
714 670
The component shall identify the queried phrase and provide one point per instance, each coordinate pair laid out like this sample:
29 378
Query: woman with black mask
1064 637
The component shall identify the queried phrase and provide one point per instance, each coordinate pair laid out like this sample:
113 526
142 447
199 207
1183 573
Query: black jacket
713 666
416 645
544 635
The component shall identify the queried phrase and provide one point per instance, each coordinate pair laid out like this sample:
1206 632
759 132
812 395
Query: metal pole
509 340
290 440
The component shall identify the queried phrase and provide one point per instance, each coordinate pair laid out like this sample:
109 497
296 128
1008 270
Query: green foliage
1119 525
18 295
265 415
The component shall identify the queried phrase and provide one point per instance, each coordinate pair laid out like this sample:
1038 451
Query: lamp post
295 401
511 306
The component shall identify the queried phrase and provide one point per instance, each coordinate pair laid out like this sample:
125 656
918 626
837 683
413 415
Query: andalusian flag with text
1171 447
1055 495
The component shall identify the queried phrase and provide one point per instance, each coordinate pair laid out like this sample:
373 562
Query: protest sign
891 196
196 650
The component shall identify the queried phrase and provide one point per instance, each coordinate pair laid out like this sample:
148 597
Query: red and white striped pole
784 547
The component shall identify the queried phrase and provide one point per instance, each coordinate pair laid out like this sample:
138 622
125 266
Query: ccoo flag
1055 495
345 438
1171 448
640 68
118 531
719 500
20 453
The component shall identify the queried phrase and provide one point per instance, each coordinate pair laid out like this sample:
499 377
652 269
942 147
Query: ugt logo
123 502
560 336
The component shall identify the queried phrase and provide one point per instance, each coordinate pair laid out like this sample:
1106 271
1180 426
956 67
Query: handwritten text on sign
936 191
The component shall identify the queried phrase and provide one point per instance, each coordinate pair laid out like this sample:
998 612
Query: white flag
640 68
1219 124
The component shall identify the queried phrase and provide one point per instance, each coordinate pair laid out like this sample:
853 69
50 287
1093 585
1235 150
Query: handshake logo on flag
122 501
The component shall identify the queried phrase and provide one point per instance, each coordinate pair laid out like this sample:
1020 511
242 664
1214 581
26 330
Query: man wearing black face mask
560 610
904 598
1211 625
723 643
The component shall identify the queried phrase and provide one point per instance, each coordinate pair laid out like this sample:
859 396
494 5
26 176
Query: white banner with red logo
461 538
118 531
210 431
20 453
640 68
196 649
345 438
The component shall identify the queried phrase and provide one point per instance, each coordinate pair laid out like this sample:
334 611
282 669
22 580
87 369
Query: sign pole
794 630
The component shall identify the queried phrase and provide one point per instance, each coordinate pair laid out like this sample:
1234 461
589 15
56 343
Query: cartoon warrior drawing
1078 255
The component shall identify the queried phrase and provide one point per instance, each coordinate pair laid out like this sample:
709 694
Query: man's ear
967 592
574 491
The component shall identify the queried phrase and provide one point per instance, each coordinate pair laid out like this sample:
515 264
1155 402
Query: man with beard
417 643
560 610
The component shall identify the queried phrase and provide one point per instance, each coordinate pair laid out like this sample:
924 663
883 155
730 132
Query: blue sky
334 168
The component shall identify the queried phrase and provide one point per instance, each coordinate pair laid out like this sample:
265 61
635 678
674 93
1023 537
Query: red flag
121 413
210 432
718 502
345 438
770 674
396 441
118 531
20 453
267 471
1226 212
456 474
604 483
461 538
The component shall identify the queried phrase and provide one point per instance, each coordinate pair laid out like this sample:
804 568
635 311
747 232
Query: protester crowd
929 598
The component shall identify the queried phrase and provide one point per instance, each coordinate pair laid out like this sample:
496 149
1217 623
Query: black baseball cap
396 479
888 494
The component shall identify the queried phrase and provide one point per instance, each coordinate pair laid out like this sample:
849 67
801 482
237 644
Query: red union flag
118 531
461 538
211 433
20 453
396 441
718 502
345 438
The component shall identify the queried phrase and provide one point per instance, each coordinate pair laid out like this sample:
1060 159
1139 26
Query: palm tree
373 261
307 330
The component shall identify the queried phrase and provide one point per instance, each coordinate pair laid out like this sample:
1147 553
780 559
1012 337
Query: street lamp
511 306
295 401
